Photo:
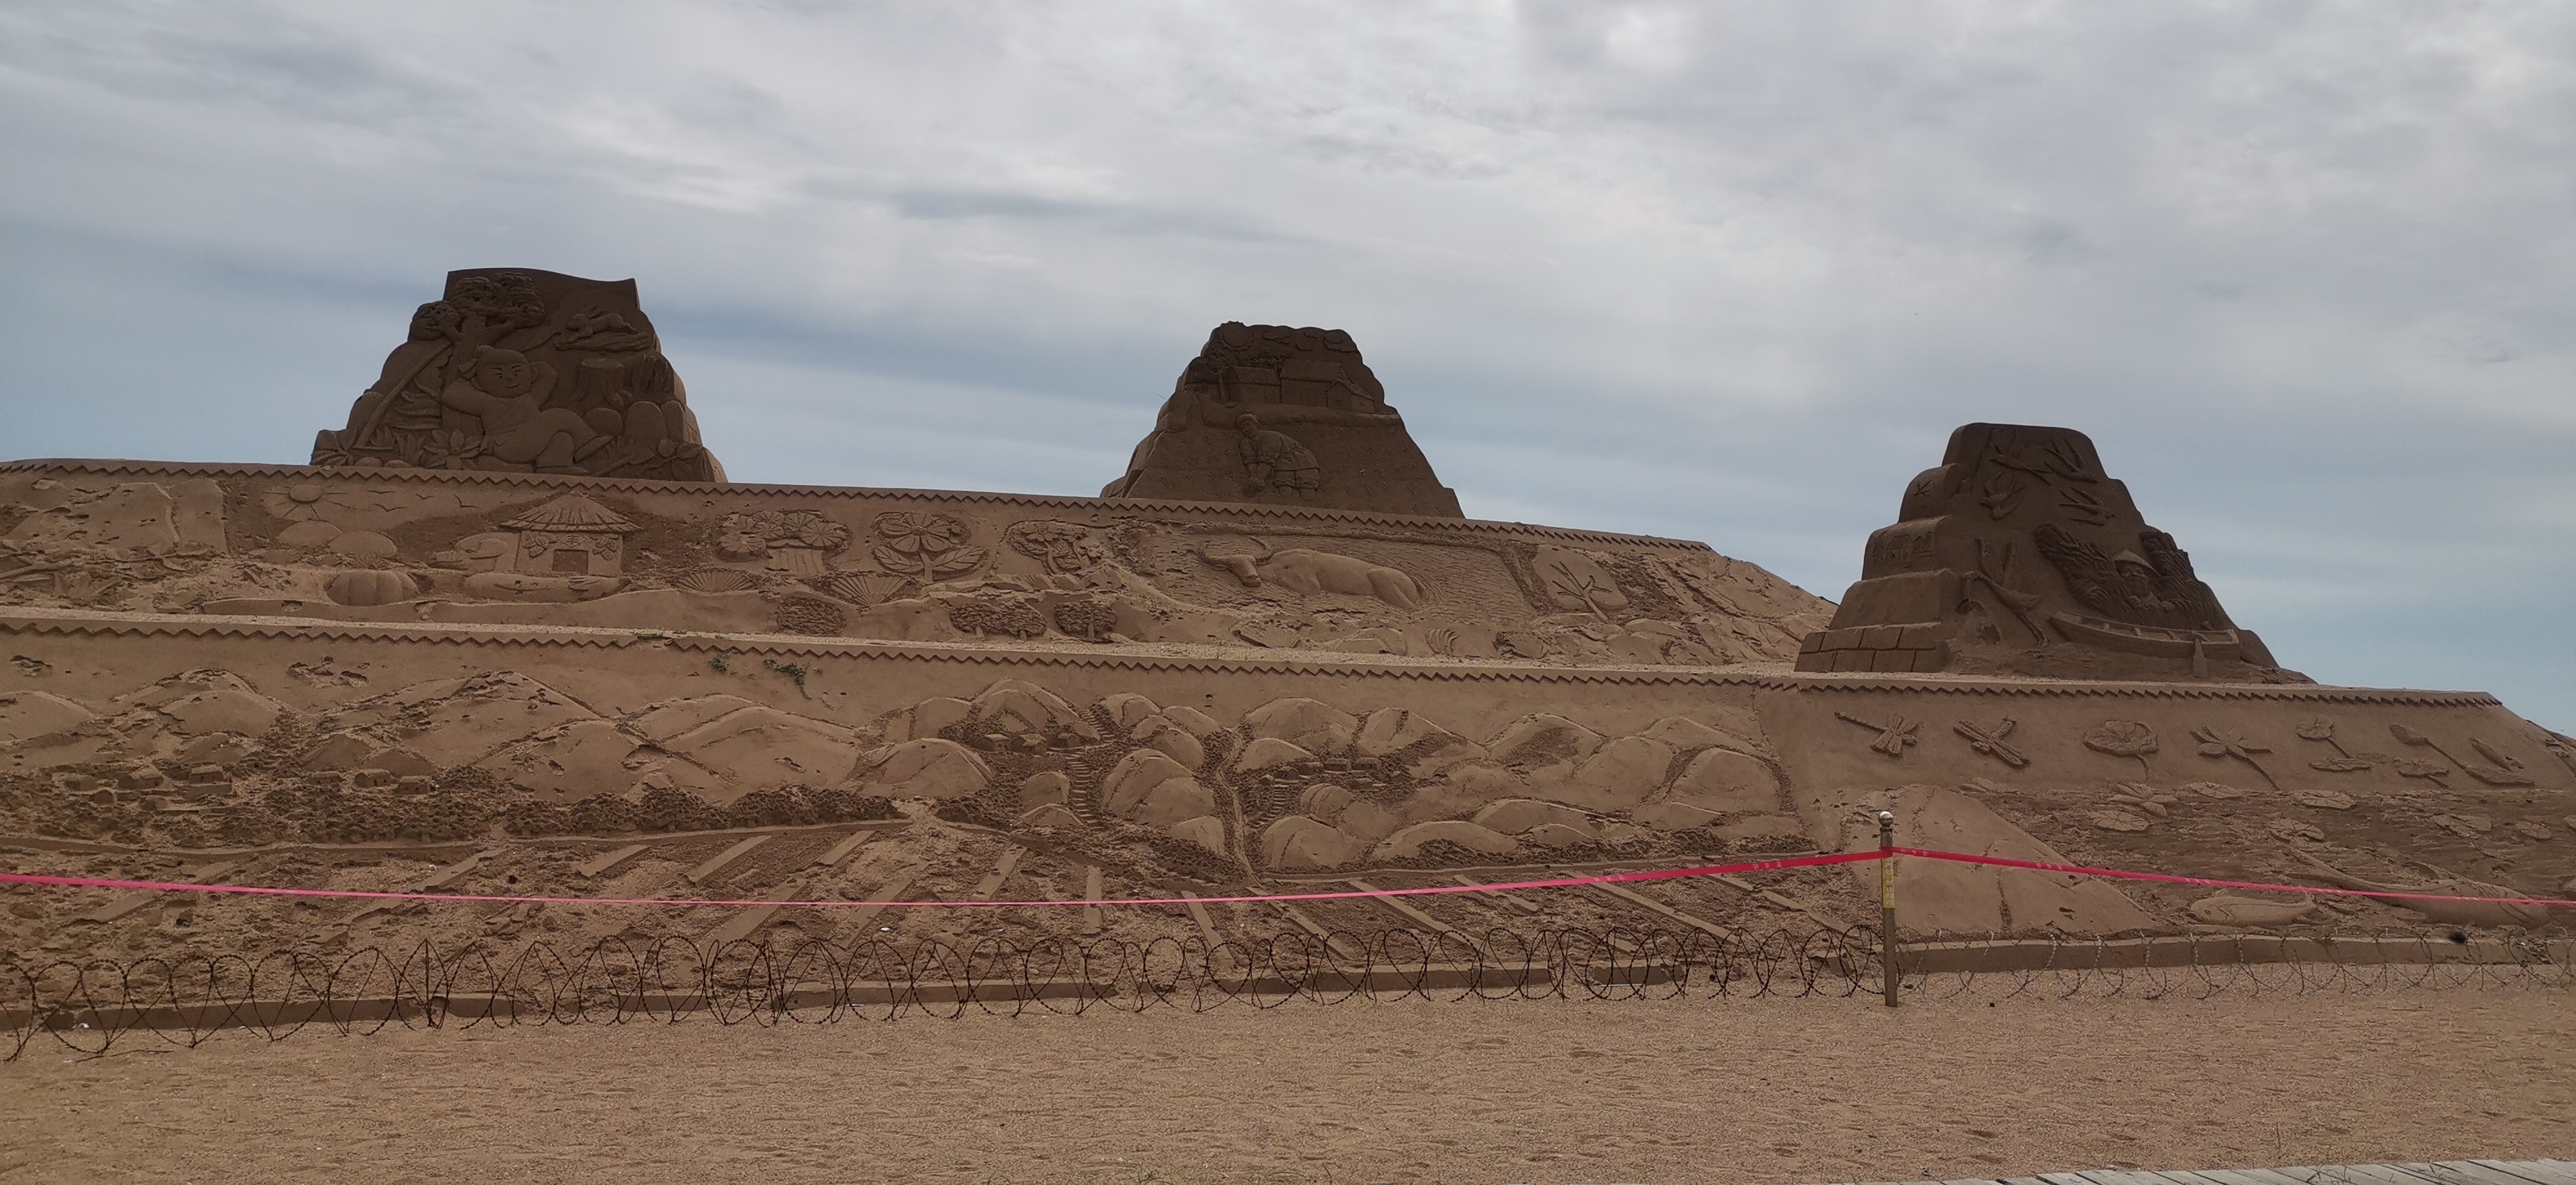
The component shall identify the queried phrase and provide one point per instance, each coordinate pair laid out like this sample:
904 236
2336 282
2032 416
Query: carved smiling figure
2019 555
1267 413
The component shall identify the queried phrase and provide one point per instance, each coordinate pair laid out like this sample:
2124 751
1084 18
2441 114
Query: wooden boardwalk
2448 1172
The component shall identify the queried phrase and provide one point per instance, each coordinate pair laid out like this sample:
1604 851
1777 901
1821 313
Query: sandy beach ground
1693 1091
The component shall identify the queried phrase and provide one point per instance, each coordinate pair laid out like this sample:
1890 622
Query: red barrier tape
86 882
2080 870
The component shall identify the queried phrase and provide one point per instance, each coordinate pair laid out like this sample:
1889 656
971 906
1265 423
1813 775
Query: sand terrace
1551 1091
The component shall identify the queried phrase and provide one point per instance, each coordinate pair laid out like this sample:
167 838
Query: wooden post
1887 904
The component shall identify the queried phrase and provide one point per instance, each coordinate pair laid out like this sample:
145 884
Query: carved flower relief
451 448
805 528
2219 742
2123 738
301 502
744 536
927 545
2222 743
1062 548
739 543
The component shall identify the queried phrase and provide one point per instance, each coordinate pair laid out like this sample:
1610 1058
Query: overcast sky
1730 272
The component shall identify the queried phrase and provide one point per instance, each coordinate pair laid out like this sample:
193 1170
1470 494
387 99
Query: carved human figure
1273 460
405 397
508 393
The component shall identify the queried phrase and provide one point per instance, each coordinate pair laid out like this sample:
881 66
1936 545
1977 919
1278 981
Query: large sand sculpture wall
414 545
1295 765
204 656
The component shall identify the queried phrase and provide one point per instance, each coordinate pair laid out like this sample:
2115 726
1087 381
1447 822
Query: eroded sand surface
1745 1091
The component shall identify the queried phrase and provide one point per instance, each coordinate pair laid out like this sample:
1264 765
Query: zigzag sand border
1247 512
26 622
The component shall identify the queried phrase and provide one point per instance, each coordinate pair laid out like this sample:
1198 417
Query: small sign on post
1887 904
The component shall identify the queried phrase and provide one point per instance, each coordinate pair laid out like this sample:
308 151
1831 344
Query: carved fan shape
716 580
867 589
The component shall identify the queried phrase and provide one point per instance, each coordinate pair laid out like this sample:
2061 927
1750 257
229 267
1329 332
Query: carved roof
572 512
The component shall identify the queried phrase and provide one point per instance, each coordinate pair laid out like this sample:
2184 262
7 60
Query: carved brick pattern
1888 649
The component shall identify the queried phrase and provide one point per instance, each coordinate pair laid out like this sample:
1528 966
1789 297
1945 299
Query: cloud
1728 271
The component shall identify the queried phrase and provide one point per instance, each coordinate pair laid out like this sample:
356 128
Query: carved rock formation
1267 413
2019 555
525 371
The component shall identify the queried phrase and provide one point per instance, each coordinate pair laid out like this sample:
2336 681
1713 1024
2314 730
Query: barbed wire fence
88 1006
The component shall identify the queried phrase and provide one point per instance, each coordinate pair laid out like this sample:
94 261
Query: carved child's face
504 376
433 321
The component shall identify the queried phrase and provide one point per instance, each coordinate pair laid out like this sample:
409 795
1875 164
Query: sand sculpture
2019 555
1267 413
543 671
522 371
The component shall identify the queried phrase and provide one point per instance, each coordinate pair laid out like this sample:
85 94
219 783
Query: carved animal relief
1990 741
1894 737
1308 572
